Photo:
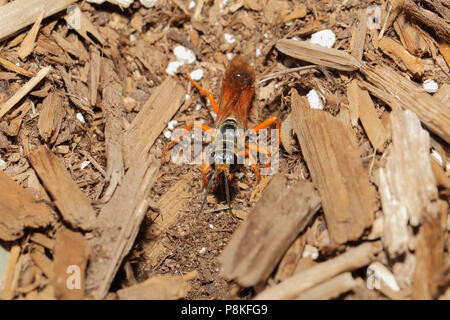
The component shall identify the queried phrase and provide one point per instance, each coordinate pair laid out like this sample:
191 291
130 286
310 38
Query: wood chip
19 209
291 258
8 292
94 75
15 68
118 225
70 259
406 184
401 56
330 150
75 208
317 54
50 117
152 119
22 92
160 287
43 262
331 288
359 33
28 43
352 259
258 244
401 93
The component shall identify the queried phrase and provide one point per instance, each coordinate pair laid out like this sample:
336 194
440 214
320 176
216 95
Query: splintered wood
407 184
330 151
19 209
144 130
51 117
292 287
74 206
260 241
118 225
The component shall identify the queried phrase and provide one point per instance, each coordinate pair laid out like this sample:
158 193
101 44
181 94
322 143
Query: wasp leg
187 129
261 150
267 123
252 163
205 170
206 93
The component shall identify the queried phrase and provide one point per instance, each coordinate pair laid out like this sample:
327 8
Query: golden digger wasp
232 118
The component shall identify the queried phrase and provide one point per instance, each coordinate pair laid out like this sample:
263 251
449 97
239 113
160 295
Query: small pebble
325 38
80 118
184 55
196 74
168 134
84 164
258 52
310 251
191 5
229 38
173 66
198 107
315 102
2 164
211 226
171 125
202 251
149 3
132 37
430 86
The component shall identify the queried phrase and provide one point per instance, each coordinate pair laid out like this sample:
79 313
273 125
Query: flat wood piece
359 34
51 117
317 54
74 206
407 184
401 93
69 264
352 259
260 241
28 43
19 14
118 225
152 119
290 259
330 289
330 150
19 209
159 287
401 56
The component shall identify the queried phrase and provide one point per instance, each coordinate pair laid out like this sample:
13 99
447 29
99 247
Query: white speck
373 17
132 37
310 251
437 157
213 114
173 66
289 23
208 103
377 271
171 125
187 96
198 107
229 56
84 164
196 74
184 55
191 5
229 38
149 3
295 38
315 102
217 269
325 38
276 85
33 107
202 251
211 226
430 86
168 134
258 52
266 35
2 164
80 118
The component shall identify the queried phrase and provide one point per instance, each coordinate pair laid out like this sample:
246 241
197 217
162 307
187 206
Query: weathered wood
118 225
18 14
352 259
317 54
331 288
50 117
74 206
260 241
291 258
112 111
160 287
330 150
401 56
152 119
19 209
401 93
407 185
69 264
359 34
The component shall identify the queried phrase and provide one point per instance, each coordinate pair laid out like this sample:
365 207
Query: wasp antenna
227 191
207 192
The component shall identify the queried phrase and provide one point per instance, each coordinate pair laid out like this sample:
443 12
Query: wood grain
260 241
330 150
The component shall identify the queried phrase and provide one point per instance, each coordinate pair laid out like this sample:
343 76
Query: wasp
232 115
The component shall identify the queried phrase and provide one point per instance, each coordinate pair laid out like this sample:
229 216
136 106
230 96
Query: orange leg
187 129
252 163
261 150
206 93
205 169
267 123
